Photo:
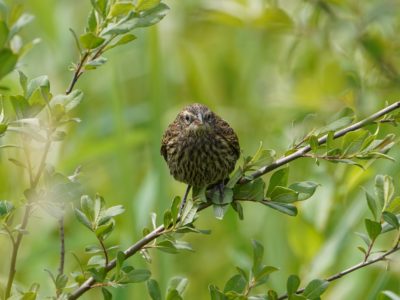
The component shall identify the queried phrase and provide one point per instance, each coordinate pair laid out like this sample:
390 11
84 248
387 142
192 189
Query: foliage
352 65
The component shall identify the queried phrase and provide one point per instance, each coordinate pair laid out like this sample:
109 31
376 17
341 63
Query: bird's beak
200 118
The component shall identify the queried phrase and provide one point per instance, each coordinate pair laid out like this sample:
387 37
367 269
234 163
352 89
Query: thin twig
79 69
104 251
78 72
278 163
14 254
351 269
62 244
25 219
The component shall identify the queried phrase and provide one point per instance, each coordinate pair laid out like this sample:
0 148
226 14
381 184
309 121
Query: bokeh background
274 70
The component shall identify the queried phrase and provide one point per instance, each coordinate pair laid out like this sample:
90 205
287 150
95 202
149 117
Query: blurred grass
264 71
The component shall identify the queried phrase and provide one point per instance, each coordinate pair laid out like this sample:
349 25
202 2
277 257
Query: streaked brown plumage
199 147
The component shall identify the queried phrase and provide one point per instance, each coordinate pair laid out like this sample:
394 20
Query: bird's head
197 119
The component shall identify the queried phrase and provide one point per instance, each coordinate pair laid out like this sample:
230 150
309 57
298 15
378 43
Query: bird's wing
164 141
168 136
230 136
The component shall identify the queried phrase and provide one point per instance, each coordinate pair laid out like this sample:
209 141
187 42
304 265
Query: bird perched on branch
200 148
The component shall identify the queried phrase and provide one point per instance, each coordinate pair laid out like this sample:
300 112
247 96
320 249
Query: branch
25 219
266 169
351 269
78 72
62 244
322 140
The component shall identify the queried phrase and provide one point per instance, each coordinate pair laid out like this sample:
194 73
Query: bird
200 148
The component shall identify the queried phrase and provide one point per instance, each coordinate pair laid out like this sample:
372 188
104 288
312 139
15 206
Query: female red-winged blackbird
199 147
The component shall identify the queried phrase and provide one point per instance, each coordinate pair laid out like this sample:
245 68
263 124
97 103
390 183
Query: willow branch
28 207
87 285
352 269
322 140
78 72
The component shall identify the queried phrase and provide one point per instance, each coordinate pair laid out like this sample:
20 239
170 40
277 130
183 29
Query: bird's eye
187 118
207 117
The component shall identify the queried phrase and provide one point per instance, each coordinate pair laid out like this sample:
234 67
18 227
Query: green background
274 70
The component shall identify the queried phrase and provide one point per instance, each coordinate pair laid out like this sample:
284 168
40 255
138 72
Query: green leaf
103 231
236 283
284 195
178 283
279 178
122 26
168 219
364 237
313 141
114 211
253 190
383 190
106 294
215 293
93 249
102 6
262 157
23 81
373 228
227 196
8 60
120 260
136 275
315 289
38 91
262 275
152 16
87 207
292 284
167 246
176 203
238 208
189 212
154 289
272 295
95 63
258 253
124 39
83 219
305 189
90 41
121 8
61 281
353 141
3 33
234 178
285 208
391 219
220 210
6 208
146 4
173 295
67 102
372 205
96 260
394 206
92 21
